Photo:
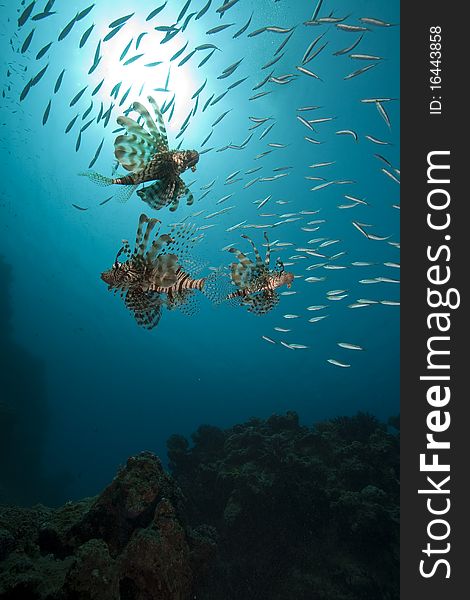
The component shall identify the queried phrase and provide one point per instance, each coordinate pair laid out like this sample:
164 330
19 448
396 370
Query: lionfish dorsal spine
138 236
157 245
132 127
255 250
159 118
151 223
268 250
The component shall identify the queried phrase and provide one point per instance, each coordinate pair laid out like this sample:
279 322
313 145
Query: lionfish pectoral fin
132 152
189 197
174 205
165 271
145 306
262 302
180 190
126 249
155 195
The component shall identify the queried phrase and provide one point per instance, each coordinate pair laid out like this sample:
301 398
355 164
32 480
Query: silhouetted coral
268 509
128 543
302 513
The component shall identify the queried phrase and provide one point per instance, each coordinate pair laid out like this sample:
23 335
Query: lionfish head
191 158
113 276
286 278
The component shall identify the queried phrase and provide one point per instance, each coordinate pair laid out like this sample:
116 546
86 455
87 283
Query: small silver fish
349 346
347 132
378 238
387 280
219 28
359 228
237 226
377 22
304 122
373 100
352 28
360 71
317 319
391 175
357 305
224 198
287 345
383 114
377 141
337 363
308 72
364 57
349 48
219 212
244 28
324 164
272 62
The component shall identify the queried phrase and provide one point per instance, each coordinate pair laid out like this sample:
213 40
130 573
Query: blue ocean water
102 387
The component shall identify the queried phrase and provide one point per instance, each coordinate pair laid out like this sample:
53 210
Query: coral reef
302 513
264 510
128 543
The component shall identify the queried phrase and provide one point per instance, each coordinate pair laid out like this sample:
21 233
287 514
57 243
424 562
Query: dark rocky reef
302 513
128 543
265 510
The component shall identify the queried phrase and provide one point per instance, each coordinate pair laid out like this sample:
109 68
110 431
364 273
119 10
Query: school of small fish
159 272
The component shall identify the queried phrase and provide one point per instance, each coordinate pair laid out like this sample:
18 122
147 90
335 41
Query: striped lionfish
145 153
153 277
256 283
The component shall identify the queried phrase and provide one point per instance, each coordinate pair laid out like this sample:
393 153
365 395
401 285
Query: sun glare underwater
293 109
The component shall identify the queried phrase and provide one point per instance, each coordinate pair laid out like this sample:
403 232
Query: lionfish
146 154
256 283
153 276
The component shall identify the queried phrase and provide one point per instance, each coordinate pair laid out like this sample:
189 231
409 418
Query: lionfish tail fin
97 178
217 286
185 301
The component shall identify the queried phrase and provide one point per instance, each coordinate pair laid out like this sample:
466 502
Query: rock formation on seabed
264 510
301 513
128 543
